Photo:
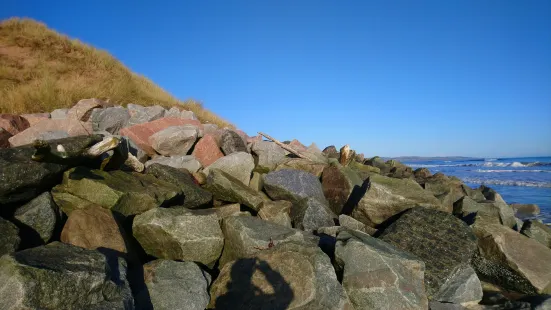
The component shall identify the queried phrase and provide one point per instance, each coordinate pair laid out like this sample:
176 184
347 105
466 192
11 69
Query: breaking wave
514 171
506 182
515 164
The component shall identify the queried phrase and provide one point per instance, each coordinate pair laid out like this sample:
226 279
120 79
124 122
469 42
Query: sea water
518 180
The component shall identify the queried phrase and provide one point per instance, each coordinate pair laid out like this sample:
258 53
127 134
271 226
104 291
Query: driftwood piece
133 162
107 144
285 146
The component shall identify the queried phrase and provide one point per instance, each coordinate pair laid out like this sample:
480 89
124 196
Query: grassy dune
42 70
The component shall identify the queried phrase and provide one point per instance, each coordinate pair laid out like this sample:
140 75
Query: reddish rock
71 126
35 117
140 133
298 146
83 109
4 136
13 124
254 139
92 228
207 150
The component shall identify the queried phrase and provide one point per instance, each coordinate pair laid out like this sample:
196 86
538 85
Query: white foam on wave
490 159
514 164
506 182
513 171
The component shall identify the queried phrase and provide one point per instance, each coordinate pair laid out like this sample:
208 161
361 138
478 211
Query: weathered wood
284 146
107 144
133 162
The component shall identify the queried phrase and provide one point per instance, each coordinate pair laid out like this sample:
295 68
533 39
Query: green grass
42 70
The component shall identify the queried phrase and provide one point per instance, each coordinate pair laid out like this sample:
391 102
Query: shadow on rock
243 291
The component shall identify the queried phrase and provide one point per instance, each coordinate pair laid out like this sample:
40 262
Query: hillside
42 70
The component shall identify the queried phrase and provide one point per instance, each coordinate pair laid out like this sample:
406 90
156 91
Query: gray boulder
286 276
441 240
227 188
9 238
377 275
188 162
498 211
239 165
293 185
188 115
174 140
179 234
194 195
310 214
247 235
268 155
175 285
111 120
59 114
41 215
22 178
463 287
257 181
173 112
525 209
537 231
62 276
52 135
140 115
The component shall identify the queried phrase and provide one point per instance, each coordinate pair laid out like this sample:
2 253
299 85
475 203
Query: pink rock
4 136
140 133
35 118
71 126
256 138
207 150
83 109
13 124
297 145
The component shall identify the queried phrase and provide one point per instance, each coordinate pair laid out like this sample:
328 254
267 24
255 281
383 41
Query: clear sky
390 78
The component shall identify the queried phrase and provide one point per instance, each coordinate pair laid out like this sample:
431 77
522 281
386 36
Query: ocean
518 180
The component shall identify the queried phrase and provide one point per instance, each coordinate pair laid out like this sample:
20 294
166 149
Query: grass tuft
42 70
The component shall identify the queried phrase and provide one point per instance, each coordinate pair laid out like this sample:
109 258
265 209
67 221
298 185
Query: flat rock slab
13 124
537 231
94 227
313 167
247 235
9 238
179 234
82 110
175 285
463 287
194 195
276 212
227 188
388 197
123 192
287 276
188 162
310 214
62 276
377 275
238 164
525 209
71 126
140 114
174 140
41 215
140 133
207 150
34 118
22 179
441 240
293 185
516 253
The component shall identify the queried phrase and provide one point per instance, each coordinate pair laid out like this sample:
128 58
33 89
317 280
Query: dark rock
447 190
377 275
436 305
22 179
421 174
179 234
346 155
62 276
310 214
537 231
378 163
247 235
4 138
331 152
286 276
194 195
338 184
9 238
227 188
231 142
497 211
175 285
440 239
123 192
41 215
490 194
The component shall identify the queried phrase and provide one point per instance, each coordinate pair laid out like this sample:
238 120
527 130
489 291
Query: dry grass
42 70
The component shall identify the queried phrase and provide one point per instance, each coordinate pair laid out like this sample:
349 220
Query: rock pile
105 207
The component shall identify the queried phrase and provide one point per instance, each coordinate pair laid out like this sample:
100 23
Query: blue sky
390 78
